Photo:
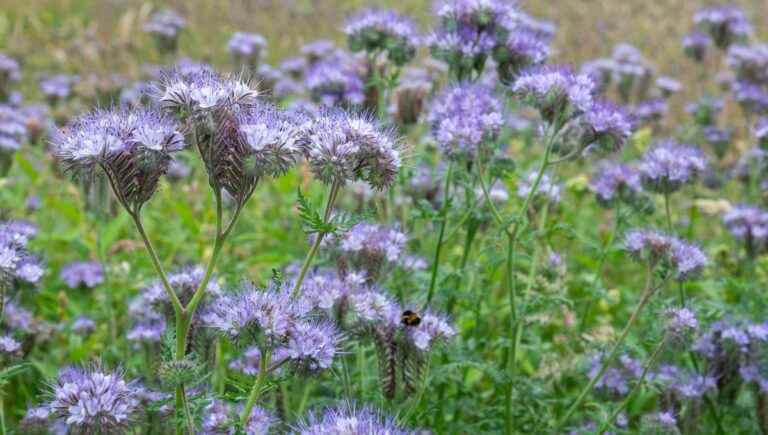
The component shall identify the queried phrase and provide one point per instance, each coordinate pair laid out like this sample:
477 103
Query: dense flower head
133 148
326 289
93 400
342 147
337 79
749 62
312 345
748 223
201 89
294 66
57 87
9 72
651 111
465 117
15 261
521 50
271 137
681 321
752 97
13 129
373 30
667 166
82 273
348 419
221 418
165 25
9 346
632 72
695 45
558 92
616 181
250 361
549 189
653 246
605 126
369 246
615 381
462 48
249 47
726 24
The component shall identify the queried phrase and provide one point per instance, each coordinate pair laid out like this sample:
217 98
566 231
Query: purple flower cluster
15 261
695 45
82 273
750 224
336 80
272 139
221 417
605 127
652 246
349 419
342 147
133 149
58 87
13 131
9 72
556 91
374 30
92 400
667 166
616 182
281 319
681 321
369 246
521 50
165 26
548 189
749 62
464 118
615 381
201 89
247 48
8 346
724 24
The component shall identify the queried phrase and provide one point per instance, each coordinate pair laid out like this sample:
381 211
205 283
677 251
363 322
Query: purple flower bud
13 133
750 224
82 273
9 346
749 62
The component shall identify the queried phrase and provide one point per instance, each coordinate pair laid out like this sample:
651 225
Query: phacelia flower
750 224
668 86
369 247
9 346
521 50
465 117
57 87
191 92
336 80
92 401
681 321
616 181
83 325
650 112
349 419
725 24
548 189
165 26
312 345
652 246
317 50
342 147
719 139
667 166
752 97
13 131
247 48
749 62
432 329
82 273
695 45
221 418
615 381
132 148
137 94
271 137
9 72
374 30
556 91
605 126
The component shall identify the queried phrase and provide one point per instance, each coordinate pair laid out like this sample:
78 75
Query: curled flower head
616 181
556 91
82 273
666 167
725 24
681 321
165 26
652 246
369 247
431 330
188 92
749 62
92 400
695 45
248 48
312 345
271 136
605 126
521 50
133 149
221 417
373 30
13 131
349 419
342 147
465 117
336 80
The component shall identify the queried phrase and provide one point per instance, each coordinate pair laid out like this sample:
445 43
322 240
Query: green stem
257 386
332 195
647 293
670 229
177 307
440 235
651 361
601 261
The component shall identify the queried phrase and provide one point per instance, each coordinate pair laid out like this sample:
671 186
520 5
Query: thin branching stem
258 385
440 235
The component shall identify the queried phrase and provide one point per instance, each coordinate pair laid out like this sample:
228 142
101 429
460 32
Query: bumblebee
410 318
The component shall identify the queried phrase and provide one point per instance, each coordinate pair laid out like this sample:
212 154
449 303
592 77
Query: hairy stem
256 388
440 235
651 361
177 307
332 195
647 293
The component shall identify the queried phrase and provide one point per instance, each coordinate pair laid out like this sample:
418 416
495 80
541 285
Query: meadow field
383 217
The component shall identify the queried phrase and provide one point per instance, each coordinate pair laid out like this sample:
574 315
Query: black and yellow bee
410 318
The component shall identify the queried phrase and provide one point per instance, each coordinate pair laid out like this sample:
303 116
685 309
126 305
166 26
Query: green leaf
310 217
